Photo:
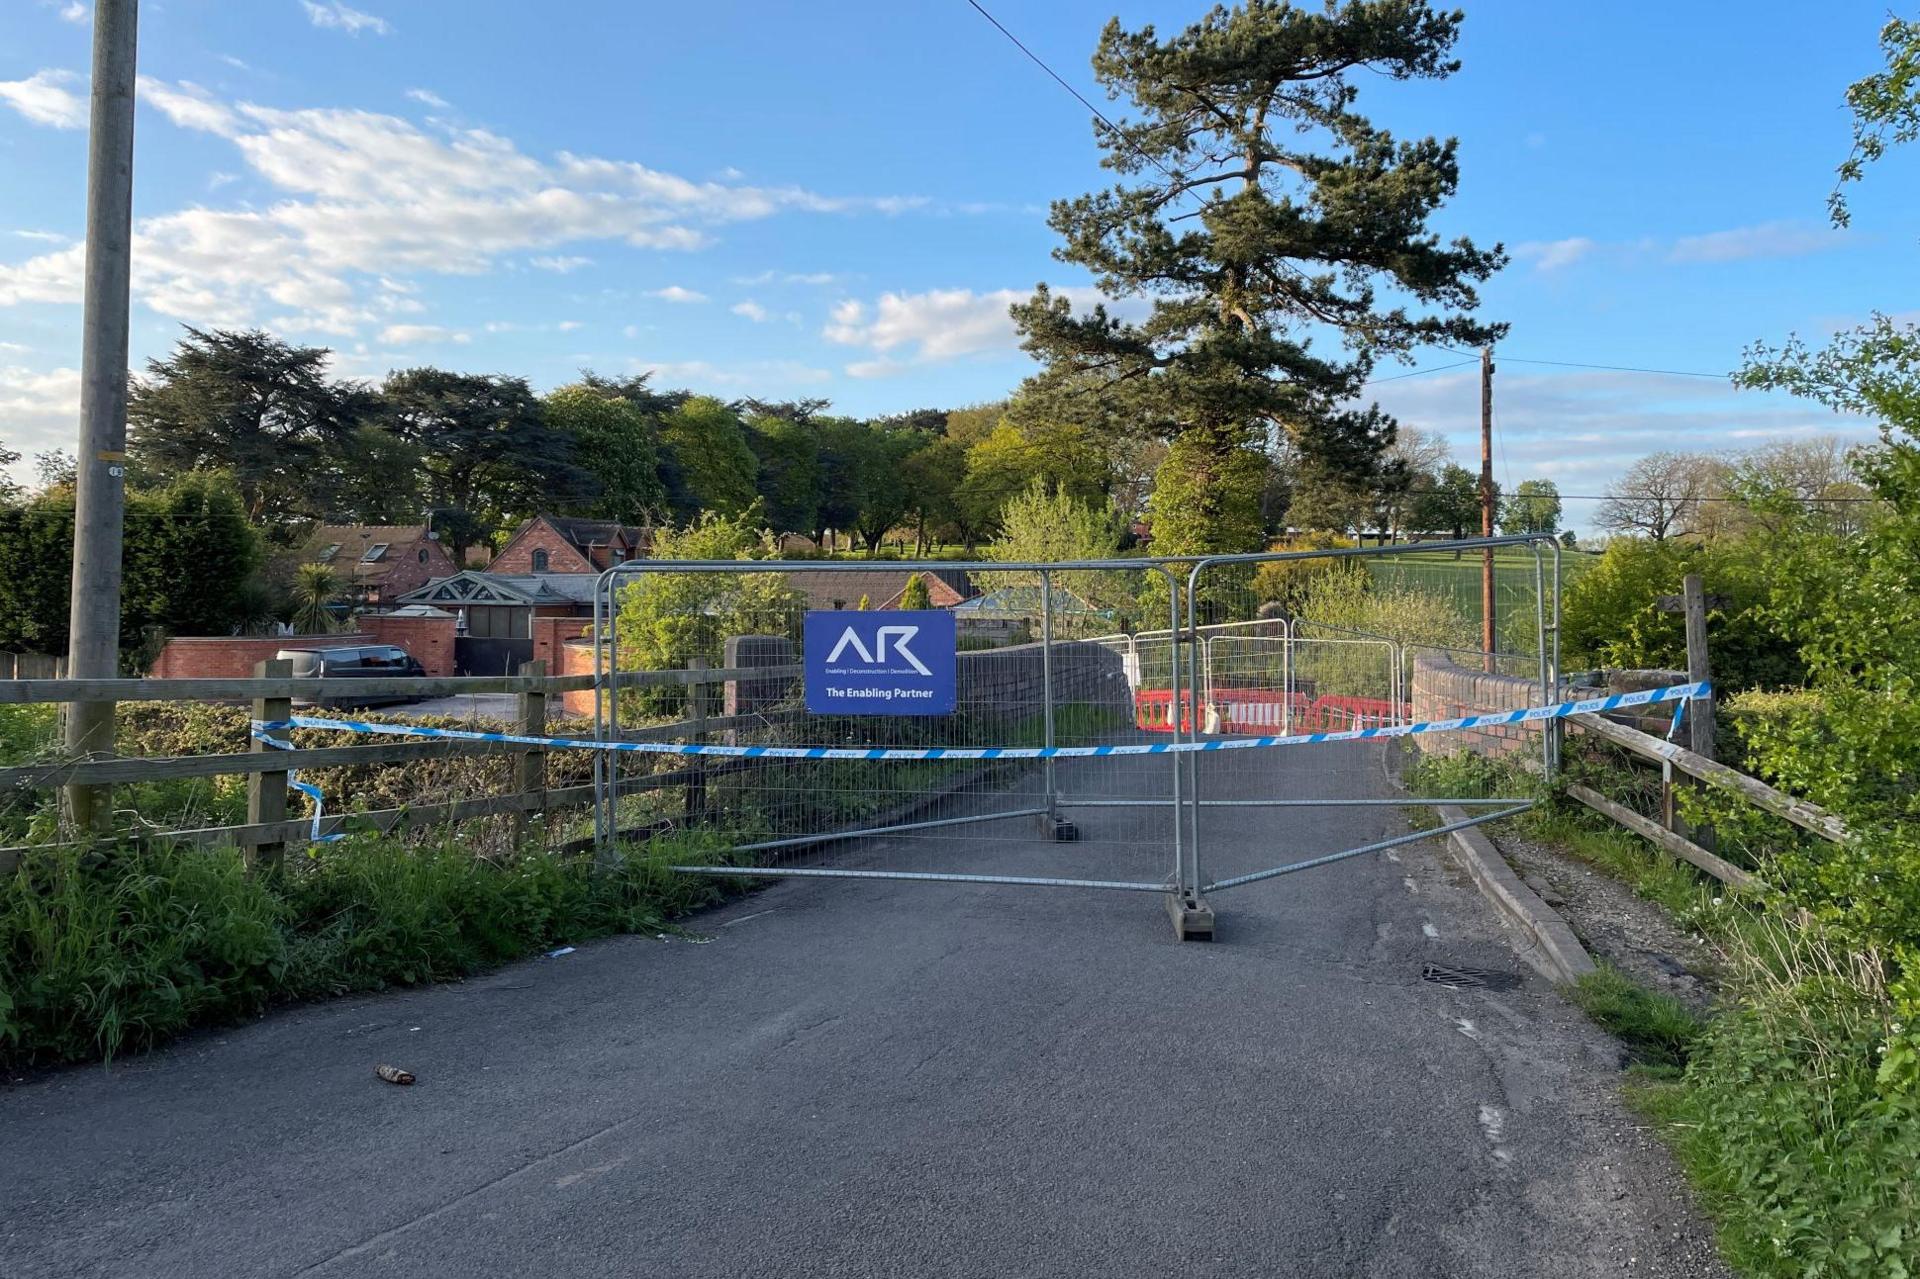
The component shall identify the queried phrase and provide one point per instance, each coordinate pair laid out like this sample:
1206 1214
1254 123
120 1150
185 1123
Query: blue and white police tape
1532 714
308 789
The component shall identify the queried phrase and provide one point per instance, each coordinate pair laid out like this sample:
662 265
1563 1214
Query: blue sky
839 200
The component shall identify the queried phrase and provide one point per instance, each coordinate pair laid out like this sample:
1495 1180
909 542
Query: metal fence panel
1040 663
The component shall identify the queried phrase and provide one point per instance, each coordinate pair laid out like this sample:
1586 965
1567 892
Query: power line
1438 368
1057 79
1576 364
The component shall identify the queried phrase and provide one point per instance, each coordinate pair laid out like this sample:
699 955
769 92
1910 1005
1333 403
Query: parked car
371 661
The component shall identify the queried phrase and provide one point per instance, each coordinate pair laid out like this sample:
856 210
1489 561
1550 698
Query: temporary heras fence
1068 724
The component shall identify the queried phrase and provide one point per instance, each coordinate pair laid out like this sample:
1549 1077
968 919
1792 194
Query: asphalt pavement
883 1078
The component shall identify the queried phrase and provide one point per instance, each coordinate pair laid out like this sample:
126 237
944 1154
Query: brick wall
429 639
550 636
1442 690
233 656
407 573
576 658
517 555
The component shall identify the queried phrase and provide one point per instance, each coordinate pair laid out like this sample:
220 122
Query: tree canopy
1257 208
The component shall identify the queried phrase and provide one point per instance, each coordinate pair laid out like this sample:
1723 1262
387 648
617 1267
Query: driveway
493 707
878 1078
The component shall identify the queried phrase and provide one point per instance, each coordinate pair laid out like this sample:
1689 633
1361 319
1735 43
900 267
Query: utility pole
93 647
1486 504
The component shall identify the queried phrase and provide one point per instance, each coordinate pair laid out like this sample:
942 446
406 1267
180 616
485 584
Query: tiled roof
351 542
842 588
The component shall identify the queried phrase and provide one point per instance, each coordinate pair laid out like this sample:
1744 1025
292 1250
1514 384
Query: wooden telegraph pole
93 647
1486 504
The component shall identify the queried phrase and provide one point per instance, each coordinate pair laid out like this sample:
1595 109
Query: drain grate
1468 978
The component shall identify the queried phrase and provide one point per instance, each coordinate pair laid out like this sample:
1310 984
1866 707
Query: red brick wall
429 639
550 635
232 657
1442 690
576 658
408 573
517 555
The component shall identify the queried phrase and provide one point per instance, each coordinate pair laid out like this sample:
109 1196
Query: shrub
1808 1161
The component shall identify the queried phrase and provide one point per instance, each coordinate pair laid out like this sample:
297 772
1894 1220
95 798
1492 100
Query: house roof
583 533
346 547
474 587
842 588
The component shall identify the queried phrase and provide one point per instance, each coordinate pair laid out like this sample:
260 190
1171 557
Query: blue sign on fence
899 662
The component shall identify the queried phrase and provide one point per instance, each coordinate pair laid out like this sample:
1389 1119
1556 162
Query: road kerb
1554 950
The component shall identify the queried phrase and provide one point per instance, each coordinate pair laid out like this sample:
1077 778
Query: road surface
884 1079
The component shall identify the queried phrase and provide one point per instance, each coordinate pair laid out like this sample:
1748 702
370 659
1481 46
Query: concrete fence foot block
1192 918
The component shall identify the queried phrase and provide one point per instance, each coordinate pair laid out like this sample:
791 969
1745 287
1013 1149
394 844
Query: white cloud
768 376
789 277
413 334
429 97
361 196
941 324
674 293
44 99
41 409
560 264
1766 240
74 12
1583 429
1551 255
751 309
45 237
336 16
568 326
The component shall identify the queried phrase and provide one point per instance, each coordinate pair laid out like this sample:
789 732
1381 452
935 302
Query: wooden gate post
267 792
530 769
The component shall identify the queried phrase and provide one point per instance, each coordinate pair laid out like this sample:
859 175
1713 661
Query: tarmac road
870 1078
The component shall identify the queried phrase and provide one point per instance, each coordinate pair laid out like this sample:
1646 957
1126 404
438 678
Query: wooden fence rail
1678 759
271 692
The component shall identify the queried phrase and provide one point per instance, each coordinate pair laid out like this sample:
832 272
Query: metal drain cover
1468 978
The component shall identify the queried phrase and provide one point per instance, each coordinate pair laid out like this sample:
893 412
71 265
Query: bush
1611 618
1808 1161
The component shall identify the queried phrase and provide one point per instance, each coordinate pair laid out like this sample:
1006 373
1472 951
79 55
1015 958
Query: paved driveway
496 707
880 1079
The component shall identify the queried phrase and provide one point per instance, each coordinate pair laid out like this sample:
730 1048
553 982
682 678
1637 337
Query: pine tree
1258 209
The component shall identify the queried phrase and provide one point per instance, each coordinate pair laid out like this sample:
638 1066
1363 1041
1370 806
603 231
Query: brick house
378 563
559 544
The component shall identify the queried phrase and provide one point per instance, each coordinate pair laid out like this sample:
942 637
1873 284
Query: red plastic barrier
1263 711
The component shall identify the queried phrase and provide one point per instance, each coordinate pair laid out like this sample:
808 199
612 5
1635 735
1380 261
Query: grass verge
1800 1146
1658 1030
120 950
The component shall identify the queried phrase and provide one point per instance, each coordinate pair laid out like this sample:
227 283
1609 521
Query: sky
786 200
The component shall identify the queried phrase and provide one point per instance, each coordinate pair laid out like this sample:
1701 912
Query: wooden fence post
697 764
267 792
1693 601
530 769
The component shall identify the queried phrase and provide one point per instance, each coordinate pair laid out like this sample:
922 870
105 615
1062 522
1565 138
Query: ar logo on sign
902 636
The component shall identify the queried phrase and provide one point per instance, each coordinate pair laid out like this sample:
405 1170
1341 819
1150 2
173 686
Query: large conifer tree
1258 212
